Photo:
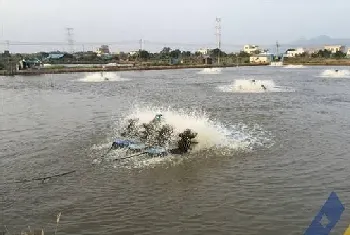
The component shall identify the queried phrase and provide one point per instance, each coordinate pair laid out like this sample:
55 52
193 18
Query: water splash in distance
291 66
253 86
103 77
210 71
335 73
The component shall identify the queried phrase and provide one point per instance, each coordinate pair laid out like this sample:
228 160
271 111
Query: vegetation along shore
62 62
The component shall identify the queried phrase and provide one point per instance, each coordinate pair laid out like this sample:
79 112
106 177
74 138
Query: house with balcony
290 53
251 49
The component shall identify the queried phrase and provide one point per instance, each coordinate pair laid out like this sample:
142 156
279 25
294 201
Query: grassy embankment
317 61
58 69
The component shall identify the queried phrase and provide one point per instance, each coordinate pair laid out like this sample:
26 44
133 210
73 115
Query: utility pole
218 36
2 21
141 49
141 44
2 31
70 39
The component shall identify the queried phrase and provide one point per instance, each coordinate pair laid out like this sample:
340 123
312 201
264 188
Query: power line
138 43
20 43
277 47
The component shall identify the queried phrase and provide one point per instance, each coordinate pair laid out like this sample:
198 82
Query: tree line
143 56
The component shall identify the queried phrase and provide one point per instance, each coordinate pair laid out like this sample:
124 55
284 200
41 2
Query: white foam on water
210 71
332 73
291 66
100 146
276 64
210 133
103 77
250 86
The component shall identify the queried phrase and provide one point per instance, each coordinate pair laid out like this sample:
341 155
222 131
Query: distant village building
207 60
104 49
29 64
294 52
261 58
314 50
335 48
204 51
251 49
89 55
348 53
104 52
133 53
55 55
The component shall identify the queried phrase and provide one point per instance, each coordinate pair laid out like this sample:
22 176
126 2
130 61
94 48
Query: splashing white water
103 77
210 71
211 135
291 66
334 73
276 64
253 86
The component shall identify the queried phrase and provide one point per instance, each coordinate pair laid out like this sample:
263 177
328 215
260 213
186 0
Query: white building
261 58
294 52
132 53
250 49
103 50
314 50
335 48
204 51
348 53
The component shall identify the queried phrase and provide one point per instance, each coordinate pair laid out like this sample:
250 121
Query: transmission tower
218 36
141 44
70 39
218 32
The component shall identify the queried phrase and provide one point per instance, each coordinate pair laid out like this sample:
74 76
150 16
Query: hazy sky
163 21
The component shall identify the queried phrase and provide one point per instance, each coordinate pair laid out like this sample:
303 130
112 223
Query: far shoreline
70 70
